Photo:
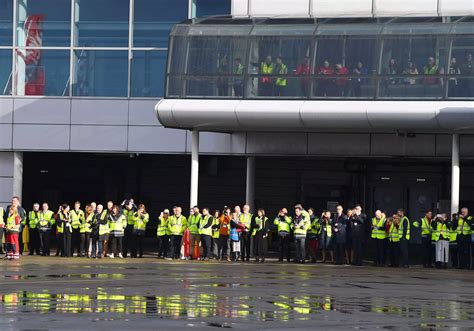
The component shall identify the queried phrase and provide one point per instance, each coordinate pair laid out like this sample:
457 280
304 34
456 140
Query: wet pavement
54 293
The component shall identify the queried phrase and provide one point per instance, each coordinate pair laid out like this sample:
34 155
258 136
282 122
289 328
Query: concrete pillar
194 168
18 174
7 174
455 175
250 183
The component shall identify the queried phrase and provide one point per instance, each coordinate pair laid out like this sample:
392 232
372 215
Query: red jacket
342 72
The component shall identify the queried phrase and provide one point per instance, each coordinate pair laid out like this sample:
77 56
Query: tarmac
80 294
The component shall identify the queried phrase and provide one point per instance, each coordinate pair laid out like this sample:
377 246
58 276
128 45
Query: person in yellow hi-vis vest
440 236
12 226
392 228
32 223
176 225
117 223
404 237
77 219
281 70
215 235
194 220
163 234
266 81
139 229
260 230
205 230
245 236
327 238
283 225
379 236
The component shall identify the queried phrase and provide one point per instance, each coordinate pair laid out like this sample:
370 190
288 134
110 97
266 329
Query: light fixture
421 179
385 178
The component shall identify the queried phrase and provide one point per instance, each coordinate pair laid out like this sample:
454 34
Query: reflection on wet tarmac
222 297
281 308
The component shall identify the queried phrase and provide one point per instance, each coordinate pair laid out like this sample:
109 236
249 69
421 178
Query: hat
166 211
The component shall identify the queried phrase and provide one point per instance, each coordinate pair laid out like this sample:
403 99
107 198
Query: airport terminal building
223 102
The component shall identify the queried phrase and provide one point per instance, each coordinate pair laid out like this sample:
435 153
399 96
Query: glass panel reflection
42 72
6 22
102 23
43 23
148 73
5 71
101 73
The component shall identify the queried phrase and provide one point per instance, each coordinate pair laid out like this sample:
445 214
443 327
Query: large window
6 22
43 23
5 71
221 58
148 73
211 7
153 21
102 22
101 73
47 74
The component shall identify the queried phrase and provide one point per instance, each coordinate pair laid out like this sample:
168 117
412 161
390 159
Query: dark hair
311 208
205 208
262 211
196 206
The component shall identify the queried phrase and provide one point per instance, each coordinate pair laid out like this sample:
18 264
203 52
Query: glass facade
225 58
100 48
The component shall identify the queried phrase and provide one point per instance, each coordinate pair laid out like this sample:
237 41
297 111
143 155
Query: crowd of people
338 80
236 234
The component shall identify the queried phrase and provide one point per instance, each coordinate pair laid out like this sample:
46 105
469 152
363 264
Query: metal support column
250 183
18 174
455 175
194 168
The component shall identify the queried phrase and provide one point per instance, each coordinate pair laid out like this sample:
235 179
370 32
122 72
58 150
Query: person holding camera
392 226
139 229
77 221
128 210
327 238
300 226
86 231
312 238
453 240
440 236
283 223
379 236
426 236
224 233
163 234
404 229
96 251
357 225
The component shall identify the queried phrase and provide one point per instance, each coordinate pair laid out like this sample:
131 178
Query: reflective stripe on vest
177 225
283 71
463 227
246 219
216 228
162 228
260 222
118 225
194 223
441 229
140 221
401 227
394 234
283 223
202 226
77 219
315 226
11 225
46 220
378 229
425 227
33 218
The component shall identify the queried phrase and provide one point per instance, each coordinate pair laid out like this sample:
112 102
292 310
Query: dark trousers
85 240
266 89
259 245
206 245
404 253
138 248
312 246
100 248
427 248
34 244
394 253
94 240
357 249
380 248
340 252
284 247
223 243
60 248
116 244
175 249
163 245
300 246
76 241
2 234
238 89
245 245
279 91
128 240
45 237
464 251
66 244
453 252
